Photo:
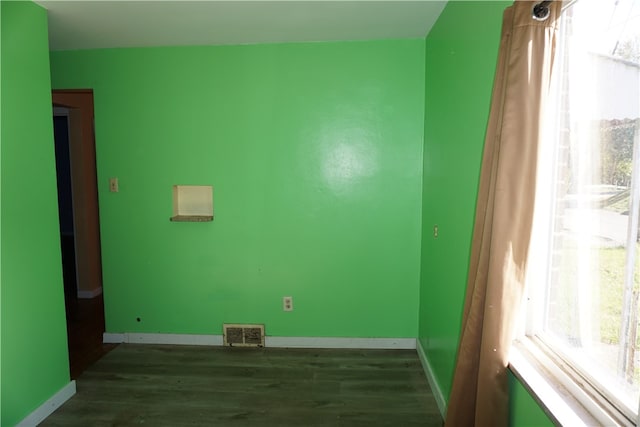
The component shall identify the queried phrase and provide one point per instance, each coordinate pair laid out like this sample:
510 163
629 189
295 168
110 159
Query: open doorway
65 207
79 227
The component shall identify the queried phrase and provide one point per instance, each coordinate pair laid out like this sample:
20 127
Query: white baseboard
340 342
110 338
433 383
288 342
89 294
174 339
48 407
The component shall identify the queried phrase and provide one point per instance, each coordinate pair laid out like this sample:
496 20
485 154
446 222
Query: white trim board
48 407
285 342
174 339
431 378
60 111
341 342
89 294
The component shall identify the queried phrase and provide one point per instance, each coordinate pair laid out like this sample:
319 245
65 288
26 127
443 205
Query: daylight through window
588 201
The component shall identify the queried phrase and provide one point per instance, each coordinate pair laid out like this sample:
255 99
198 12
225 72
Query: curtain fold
504 212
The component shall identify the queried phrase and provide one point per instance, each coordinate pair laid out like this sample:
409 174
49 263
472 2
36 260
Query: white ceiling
106 24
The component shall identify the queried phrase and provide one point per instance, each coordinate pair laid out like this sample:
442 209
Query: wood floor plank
158 385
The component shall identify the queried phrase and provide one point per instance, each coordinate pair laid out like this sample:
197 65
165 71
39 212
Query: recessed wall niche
192 203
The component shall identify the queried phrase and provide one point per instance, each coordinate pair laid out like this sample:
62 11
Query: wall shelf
191 218
192 203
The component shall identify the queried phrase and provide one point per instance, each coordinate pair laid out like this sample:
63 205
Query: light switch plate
113 185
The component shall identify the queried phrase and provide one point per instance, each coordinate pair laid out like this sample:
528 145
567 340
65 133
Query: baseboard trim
285 342
341 342
173 339
110 338
431 378
48 407
89 294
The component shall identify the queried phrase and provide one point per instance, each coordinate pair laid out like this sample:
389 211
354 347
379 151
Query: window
585 267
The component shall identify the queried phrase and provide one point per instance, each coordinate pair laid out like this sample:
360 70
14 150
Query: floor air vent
243 335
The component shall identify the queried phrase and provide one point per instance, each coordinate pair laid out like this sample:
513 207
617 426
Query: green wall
34 345
314 151
524 411
461 55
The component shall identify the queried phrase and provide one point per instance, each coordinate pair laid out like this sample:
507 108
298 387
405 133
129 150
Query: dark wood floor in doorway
157 385
85 326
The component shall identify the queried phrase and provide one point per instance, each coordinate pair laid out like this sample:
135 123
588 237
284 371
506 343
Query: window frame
538 357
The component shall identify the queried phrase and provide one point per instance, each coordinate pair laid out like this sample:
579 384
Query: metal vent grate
240 335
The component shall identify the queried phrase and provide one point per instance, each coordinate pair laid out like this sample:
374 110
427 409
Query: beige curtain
504 211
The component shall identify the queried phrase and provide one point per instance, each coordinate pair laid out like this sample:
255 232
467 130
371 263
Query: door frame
84 188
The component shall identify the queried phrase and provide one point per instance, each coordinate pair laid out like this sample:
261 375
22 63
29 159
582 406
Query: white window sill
564 400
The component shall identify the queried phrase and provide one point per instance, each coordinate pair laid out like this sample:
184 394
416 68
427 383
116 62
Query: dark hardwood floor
158 385
85 326
85 317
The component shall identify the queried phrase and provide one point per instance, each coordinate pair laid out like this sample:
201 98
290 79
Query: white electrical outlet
287 303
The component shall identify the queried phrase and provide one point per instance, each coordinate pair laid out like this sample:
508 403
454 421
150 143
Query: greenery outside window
585 255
